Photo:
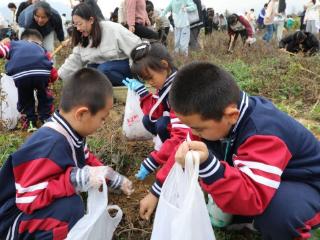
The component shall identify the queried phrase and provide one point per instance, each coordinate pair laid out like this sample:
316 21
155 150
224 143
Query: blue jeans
269 33
116 70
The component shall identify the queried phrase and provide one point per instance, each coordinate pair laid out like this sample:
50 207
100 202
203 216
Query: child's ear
81 113
165 64
232 114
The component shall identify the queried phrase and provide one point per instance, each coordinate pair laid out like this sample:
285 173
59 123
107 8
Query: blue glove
132 84
143 173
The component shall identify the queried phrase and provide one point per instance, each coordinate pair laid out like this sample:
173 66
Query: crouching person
40 182
256 161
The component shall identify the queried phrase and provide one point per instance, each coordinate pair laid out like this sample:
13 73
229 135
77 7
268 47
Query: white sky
237 6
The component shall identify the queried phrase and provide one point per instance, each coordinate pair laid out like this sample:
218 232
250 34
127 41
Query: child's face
211 130
155 78
88 123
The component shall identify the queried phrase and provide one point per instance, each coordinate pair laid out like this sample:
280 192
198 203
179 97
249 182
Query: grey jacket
116 44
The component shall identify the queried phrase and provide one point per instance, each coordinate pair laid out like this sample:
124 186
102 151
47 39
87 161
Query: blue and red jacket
27 59
39 172
265 147
178 131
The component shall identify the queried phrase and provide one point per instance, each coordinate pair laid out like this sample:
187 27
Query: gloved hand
132 84
87 177
126 186
143 173
119 181
250 40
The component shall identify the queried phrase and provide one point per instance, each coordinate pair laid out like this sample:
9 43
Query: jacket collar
168 82
77 140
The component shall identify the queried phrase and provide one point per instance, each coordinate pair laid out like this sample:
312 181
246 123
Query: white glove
87 177
250 40
126 186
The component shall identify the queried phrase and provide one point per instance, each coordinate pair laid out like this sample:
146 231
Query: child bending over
41 181
31 69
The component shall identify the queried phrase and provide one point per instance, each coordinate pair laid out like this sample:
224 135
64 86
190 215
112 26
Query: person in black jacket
42 17
195 28
300 41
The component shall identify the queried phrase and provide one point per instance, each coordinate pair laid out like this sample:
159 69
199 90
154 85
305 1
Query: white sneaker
157 143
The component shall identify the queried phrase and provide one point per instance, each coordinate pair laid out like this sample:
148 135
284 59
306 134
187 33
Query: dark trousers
160 127
26 101
116 70
163 34
145 32
292 212
244 36
194 34
51 222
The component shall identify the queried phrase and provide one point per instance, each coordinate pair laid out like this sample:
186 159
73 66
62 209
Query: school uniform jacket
39 172
27 59
266 147
178 131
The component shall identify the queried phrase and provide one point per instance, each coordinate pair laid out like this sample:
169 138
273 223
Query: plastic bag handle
154 107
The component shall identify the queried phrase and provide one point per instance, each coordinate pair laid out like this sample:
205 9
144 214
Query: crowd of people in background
253 157
144 20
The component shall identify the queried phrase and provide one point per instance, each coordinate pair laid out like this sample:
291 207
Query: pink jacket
136 12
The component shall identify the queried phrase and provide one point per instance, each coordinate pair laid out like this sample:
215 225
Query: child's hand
126 186
132 84
143 173
195 146
147 206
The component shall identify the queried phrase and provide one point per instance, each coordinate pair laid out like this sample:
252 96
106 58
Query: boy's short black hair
149 55
86 87
203 88
26 34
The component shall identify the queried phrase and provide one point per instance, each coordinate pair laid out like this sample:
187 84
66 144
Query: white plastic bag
97 224
181 213
9 114
218 218
132 126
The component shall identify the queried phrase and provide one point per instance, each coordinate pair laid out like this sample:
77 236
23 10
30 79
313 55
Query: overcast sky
237 6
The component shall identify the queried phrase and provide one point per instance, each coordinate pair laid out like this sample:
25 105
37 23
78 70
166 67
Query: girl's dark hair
12 5
149 56
45 6
232 19
84 11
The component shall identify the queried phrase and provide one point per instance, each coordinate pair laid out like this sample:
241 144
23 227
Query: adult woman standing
104 45
46 20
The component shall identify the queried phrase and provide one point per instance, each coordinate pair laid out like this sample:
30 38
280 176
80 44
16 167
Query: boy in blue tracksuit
41 181
255 161
31 69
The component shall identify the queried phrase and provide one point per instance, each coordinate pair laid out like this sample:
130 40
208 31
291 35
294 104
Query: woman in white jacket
311 18
104 45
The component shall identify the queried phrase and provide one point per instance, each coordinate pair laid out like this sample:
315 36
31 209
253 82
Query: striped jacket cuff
150 164
156 189
211 170
142 91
